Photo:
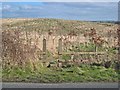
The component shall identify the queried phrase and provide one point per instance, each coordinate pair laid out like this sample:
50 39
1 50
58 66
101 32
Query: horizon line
59 19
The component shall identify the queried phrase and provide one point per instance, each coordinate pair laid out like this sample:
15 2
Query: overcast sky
93 11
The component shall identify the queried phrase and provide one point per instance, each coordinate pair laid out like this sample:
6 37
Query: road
60 85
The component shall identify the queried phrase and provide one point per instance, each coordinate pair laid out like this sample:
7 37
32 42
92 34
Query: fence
94 55
22 46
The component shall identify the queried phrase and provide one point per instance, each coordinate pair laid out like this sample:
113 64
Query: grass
15 55
62 26
83 73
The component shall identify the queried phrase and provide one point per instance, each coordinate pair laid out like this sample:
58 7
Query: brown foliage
16 51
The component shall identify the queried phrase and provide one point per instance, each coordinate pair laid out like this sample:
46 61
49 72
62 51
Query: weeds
21 52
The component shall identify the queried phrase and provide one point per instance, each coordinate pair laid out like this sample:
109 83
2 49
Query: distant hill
114 22
58 26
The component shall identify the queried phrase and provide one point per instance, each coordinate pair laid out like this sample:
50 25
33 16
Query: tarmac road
59 85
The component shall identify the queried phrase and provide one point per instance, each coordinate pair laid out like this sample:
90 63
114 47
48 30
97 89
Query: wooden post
96 50
60 46
44 48
44 45
72 57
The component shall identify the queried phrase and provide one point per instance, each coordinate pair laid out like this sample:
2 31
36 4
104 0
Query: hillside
62 28
57 25
24 41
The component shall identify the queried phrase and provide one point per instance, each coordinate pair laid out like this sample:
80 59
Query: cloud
6 7
17 7
30 7
9 8
65 10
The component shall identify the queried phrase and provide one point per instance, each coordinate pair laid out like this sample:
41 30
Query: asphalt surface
60 85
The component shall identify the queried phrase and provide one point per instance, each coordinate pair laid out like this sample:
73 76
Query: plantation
55 50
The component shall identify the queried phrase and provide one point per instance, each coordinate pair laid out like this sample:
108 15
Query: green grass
66 57
83 73
90 47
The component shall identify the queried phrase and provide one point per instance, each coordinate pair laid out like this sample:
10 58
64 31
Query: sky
88 11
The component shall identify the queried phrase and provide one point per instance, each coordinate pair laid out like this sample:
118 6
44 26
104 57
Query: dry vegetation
22 43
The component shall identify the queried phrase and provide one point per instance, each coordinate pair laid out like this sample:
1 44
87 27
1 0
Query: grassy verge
83 73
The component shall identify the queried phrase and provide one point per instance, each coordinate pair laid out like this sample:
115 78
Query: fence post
72 57
44 48
60 46
96 50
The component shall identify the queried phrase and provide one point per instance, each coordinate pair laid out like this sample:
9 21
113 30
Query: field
56 50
